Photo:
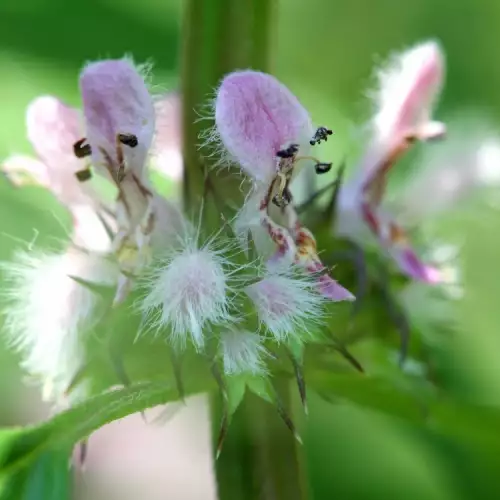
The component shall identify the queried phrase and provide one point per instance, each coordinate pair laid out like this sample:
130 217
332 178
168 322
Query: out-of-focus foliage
326 52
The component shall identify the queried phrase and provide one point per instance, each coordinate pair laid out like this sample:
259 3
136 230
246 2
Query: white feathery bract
48 311
242 352
286 304
187 292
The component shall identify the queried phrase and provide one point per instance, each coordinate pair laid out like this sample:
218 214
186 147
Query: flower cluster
193 292
238 294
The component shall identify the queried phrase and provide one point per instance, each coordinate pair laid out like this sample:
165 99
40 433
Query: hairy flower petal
186 293
53 128
287 305
408 89
256 116
242 352
116 101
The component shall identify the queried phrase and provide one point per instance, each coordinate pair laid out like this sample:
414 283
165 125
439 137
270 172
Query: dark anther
81 149
284 199
289 152
321 135
84 175
322 168
128 140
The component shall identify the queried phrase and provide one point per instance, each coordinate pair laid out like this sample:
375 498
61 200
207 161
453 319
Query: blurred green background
326 51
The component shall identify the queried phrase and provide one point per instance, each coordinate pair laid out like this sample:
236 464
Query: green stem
261 459
219 36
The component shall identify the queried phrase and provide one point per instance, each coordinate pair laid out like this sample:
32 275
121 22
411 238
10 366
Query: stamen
81 149
128 139
84 175
320 167
289 152
283 197
321 135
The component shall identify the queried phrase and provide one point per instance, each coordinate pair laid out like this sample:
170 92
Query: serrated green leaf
22 451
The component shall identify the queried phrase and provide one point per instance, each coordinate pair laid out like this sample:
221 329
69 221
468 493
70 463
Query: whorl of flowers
241 296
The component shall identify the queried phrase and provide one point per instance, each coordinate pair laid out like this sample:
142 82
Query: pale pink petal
408 90
116 101
256 116
411 265
393 238
53 128
331 289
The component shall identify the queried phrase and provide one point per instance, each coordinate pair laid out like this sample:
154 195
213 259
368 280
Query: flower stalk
260 456
219 36
261 459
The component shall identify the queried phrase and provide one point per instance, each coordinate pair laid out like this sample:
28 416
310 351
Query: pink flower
408 89
256 117
267 131
119 115
52 128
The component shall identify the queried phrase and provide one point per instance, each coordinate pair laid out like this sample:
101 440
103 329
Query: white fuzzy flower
47 312
242 352
187 292
286 304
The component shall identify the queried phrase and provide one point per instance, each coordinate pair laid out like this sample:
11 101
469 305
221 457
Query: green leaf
235 389
98 289
376 393
33 456
260 387
47 477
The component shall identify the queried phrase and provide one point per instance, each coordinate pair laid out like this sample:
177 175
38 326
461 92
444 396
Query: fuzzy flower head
52 128
48 312
287 304
187 292
407 92
257 117
242 352
119 115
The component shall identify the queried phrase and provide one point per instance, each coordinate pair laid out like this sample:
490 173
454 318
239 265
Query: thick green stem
219 36
261 459
260 456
